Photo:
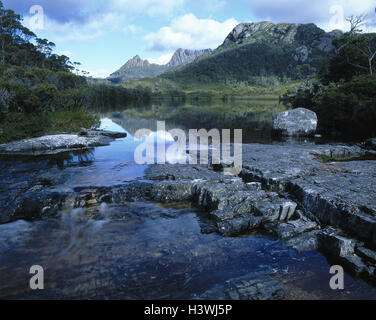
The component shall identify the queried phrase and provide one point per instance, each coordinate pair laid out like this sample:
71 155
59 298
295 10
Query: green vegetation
356 57
344 98
191 91
39 94
246 63
21 47
21 125
261 55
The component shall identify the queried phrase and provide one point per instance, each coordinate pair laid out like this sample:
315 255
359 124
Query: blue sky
104 34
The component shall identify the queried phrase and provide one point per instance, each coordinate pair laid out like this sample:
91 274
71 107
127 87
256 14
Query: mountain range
255 50
137 68
251 51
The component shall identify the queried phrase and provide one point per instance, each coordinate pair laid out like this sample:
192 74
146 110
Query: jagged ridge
137 68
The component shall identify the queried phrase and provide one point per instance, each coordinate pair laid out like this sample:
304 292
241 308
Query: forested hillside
39 94
264 49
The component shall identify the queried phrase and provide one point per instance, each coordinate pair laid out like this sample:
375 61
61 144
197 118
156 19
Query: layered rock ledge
311 197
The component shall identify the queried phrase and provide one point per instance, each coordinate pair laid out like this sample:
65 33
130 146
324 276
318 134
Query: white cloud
100 73
163 59
188 31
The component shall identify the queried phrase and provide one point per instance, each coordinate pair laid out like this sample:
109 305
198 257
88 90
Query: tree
20 46
45 47
367 45
355 23
13 34
368 49
356 56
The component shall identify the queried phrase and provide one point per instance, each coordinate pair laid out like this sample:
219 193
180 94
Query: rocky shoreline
311 197
60 143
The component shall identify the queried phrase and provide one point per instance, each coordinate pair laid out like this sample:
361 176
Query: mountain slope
136 68
263 49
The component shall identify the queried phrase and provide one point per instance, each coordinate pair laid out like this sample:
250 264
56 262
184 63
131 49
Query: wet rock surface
286 191
255 286
61 143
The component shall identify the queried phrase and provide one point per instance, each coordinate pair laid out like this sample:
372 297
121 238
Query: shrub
348 108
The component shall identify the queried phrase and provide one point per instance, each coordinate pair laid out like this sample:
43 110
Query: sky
103 34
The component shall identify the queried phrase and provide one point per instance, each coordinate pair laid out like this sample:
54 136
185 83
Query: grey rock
182 57
335 244
255 286
137 68
268 210
60 143
284 33
233 227
34 204
254 186
297 122
104 133
354 265
304 242
287 210
340 153
222 215
366 254
370 144
183 172
291 229
338 194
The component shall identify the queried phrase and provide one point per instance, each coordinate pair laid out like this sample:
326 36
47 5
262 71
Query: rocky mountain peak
265 30
136 61
184 56
306 37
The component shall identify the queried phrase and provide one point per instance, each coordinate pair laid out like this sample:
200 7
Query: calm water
139 250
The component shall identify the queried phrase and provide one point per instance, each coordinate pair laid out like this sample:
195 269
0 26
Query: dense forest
40 94
344 95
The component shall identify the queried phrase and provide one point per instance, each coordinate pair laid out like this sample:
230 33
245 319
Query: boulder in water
297 122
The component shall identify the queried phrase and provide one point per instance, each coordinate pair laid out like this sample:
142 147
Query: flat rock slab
59 143
183 172
340 194
255 286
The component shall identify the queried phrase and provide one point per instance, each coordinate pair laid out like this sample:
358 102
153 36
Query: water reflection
147 251
138 250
